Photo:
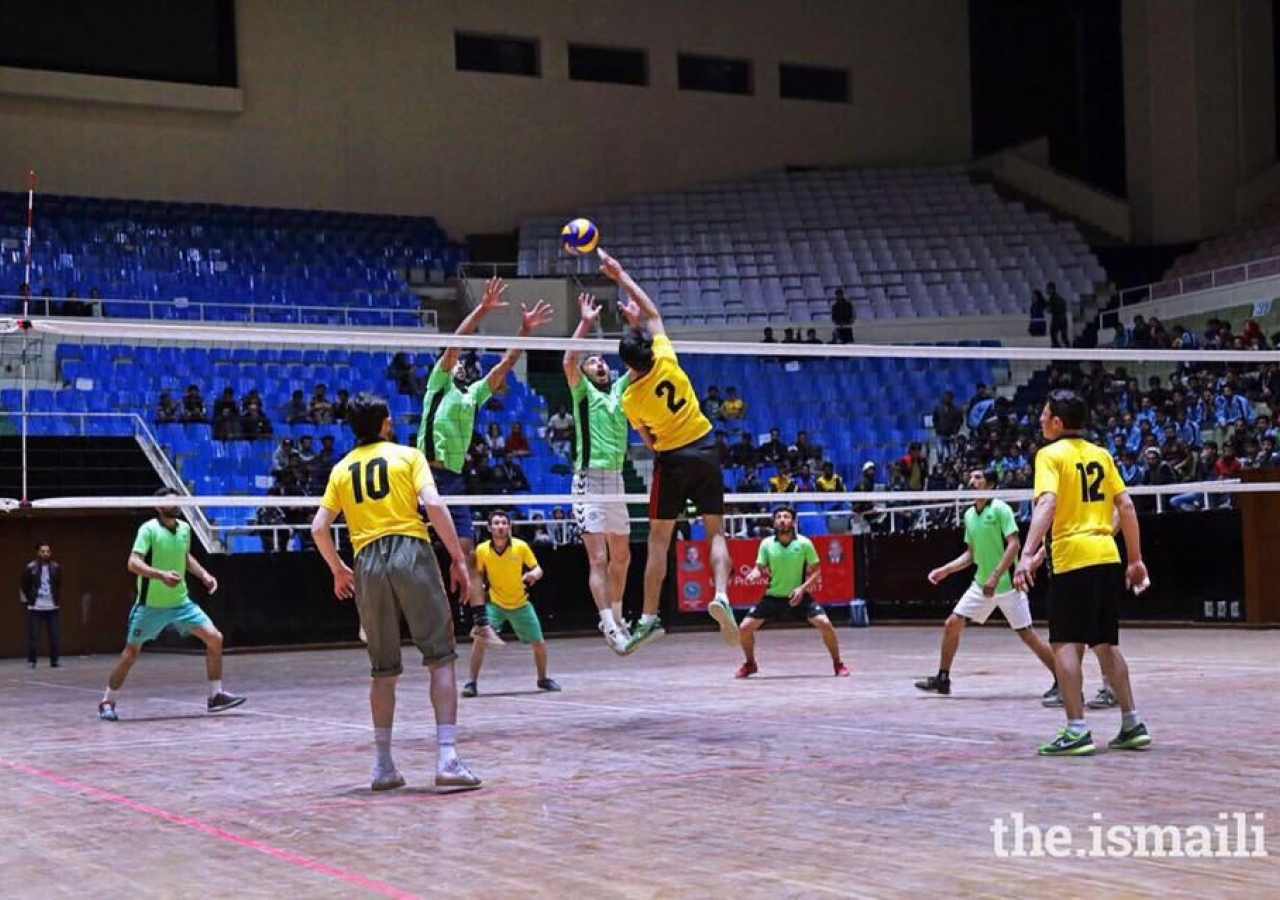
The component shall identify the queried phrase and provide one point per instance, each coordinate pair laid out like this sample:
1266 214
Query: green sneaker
1069 744
1135 738
643 634
720 610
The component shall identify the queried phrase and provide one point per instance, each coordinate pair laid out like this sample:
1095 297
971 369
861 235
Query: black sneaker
222 701
469 689
107 711
1135 738
1105 699
935 684
1052 698
548 684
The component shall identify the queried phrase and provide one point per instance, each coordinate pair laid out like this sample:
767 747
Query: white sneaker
455 774
722 612
617 639
488 635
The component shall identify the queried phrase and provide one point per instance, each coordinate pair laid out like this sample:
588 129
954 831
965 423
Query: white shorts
975 607
595 514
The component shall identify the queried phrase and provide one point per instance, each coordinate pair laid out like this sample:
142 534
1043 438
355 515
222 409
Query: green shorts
523 619
146 622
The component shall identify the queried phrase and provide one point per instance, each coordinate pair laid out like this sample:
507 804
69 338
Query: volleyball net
858 438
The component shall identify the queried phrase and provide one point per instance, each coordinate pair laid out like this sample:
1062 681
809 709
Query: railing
1225 276
260 313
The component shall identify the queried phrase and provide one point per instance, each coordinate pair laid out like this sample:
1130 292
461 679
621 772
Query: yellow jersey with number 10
1084 480
376 487
664 401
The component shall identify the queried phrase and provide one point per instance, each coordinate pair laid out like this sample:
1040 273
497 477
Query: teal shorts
523 619
146 622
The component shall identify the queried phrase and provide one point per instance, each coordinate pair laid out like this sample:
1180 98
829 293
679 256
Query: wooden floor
658 775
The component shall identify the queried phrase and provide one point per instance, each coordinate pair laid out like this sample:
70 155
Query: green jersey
449 418
601 424
786 562
167 551
985 533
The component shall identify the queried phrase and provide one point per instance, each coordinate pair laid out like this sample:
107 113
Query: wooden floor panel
655 776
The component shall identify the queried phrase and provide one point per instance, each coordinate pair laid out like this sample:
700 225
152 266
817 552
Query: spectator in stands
193 409
507 477
1039 307
811 336
320 409
282 457
1119 337
295 411
723 451
1266 455
167 410
843 317
1057 316
744 452
306 452
401 372
47 305
1182 339
340 405
564 530
226 426
74 306
947 419
250 399
915 467
1155 469
254 425
273 541
803 478
829 481
93 306
734 407
226 400
773 451
782 482
711 403
789 336
1230 407
803 451
495 443
560 431
326 458
750 482
981 406
768 336
517 442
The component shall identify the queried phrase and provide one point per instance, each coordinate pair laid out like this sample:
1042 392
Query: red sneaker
842 671
746 669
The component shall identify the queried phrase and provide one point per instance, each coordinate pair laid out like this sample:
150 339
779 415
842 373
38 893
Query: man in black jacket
41 587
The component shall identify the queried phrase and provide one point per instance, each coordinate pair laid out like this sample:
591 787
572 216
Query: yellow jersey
663 401
376 487
1084 480
503 571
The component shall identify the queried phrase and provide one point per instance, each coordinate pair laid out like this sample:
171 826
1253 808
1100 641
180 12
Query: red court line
293 859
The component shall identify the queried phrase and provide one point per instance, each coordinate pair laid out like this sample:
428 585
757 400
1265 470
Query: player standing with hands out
1076 486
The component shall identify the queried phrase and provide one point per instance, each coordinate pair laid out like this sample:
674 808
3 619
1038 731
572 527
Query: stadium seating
208 262
901 242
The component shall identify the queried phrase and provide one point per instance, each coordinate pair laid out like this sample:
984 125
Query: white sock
382 749
720 595
1077 726
446 744
647 619
607 620
110 695
616 607
1129 719
215 687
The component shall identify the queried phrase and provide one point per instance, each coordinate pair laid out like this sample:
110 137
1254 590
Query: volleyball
579 237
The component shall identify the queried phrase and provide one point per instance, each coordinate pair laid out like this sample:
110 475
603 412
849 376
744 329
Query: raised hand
609 267
588 309
630 310
535 318
494 288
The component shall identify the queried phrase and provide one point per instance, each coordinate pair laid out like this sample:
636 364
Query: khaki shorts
396 576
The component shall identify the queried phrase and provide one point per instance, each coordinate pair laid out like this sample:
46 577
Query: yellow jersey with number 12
1083 478
664 401
376 487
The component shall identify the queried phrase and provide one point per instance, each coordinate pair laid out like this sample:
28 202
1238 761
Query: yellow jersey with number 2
664 401
376 487
1083 478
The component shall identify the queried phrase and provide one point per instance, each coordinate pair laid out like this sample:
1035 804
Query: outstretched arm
491 300
959 564
529 320
589 312
613 270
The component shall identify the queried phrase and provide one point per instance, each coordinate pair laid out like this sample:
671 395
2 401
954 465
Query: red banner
696 587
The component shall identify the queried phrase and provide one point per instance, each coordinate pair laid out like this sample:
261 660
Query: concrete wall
356 105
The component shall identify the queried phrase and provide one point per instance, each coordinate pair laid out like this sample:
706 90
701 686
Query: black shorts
689 473
779 609
1084 605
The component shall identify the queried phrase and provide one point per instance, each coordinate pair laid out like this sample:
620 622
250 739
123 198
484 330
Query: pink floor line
293 859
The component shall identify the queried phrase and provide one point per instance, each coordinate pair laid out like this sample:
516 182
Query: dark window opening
608 65
715 74
813 83
499 55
